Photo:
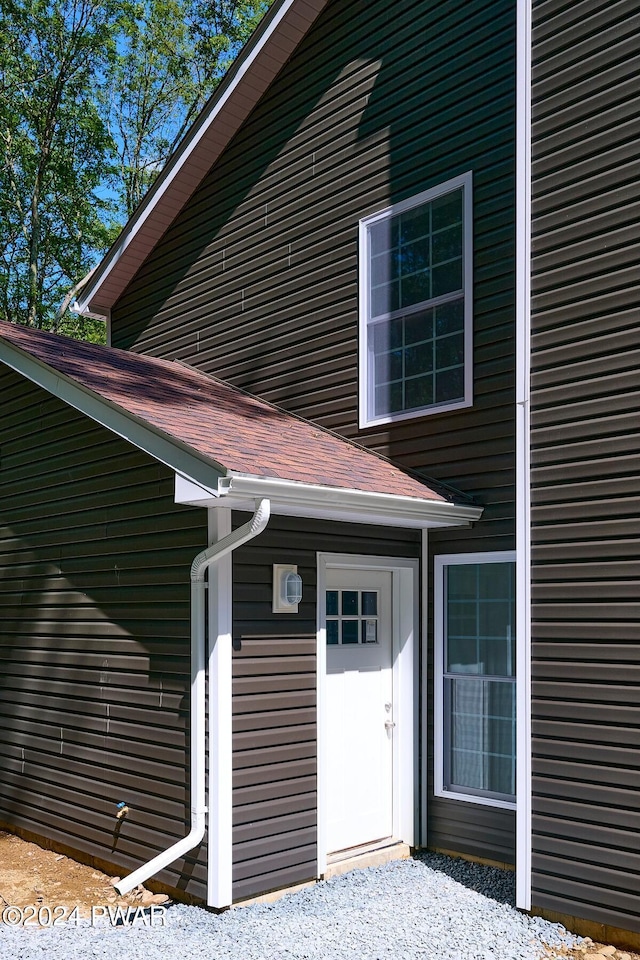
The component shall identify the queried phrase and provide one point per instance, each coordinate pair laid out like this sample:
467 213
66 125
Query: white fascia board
171 452
192 140
294 499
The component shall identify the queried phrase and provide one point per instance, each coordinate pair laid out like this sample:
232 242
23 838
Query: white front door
359 707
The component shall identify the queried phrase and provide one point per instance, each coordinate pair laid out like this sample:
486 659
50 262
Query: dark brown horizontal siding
375 106
585 415
256 280
483 832
94 637
274 699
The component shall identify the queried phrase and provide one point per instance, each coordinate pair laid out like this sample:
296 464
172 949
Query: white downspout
199 567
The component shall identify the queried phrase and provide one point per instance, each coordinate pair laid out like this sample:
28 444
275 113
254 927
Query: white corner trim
423 660
439 614
406 626
220 801
321 735
523 460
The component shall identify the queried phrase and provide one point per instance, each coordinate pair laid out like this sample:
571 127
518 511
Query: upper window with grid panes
416 305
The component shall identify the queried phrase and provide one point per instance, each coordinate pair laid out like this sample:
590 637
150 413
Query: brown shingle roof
232 429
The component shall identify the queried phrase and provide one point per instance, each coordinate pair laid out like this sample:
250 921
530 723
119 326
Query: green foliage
94 97
171 54
55 152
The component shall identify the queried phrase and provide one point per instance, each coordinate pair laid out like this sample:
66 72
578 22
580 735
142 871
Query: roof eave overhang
294 499
165 449
276 38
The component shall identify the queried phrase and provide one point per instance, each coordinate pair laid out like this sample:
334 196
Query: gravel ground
426 907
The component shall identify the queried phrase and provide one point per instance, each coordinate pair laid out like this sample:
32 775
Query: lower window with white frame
475 678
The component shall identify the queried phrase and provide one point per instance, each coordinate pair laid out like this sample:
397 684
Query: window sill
414 414
471 798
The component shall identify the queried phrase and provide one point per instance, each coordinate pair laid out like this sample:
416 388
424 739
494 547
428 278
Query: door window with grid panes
351 617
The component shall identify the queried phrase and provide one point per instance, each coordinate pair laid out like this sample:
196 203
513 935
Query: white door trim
405 618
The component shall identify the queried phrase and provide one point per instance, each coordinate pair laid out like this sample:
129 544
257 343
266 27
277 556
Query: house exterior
373 327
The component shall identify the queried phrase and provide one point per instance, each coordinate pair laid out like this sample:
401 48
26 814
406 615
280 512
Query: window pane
462 619
496 657
417 256
446 278
415 288
462 581
497 580
350 631
418 359
388 366
447 244
385 299
383 235
384 269
389 398
450 385
332 603
479 722
496 619
418 327
369 631
447 210
350 603
414 257
332 631
449 351
415 223
463 655
482 755
450 317
369 603
419 392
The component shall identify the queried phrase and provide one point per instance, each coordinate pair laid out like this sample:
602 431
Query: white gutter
199 567
292 498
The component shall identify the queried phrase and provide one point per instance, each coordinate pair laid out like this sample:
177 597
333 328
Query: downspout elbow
200 565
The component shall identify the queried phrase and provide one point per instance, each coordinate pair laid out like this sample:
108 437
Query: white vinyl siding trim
440 722
523 455
368 414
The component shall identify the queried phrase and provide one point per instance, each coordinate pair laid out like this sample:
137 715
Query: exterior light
287 588
293 588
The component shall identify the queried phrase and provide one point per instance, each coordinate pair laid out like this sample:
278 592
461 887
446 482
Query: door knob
389 724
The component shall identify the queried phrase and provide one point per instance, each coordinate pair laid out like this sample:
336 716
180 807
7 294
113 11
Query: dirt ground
31 877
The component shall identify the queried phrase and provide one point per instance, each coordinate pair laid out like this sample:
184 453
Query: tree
170 56
56 152
94 97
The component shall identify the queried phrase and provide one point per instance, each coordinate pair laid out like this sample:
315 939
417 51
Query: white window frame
367 418
440 564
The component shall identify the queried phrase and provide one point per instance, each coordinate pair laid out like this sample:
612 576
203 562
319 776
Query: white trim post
219 881
523 461
423 647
